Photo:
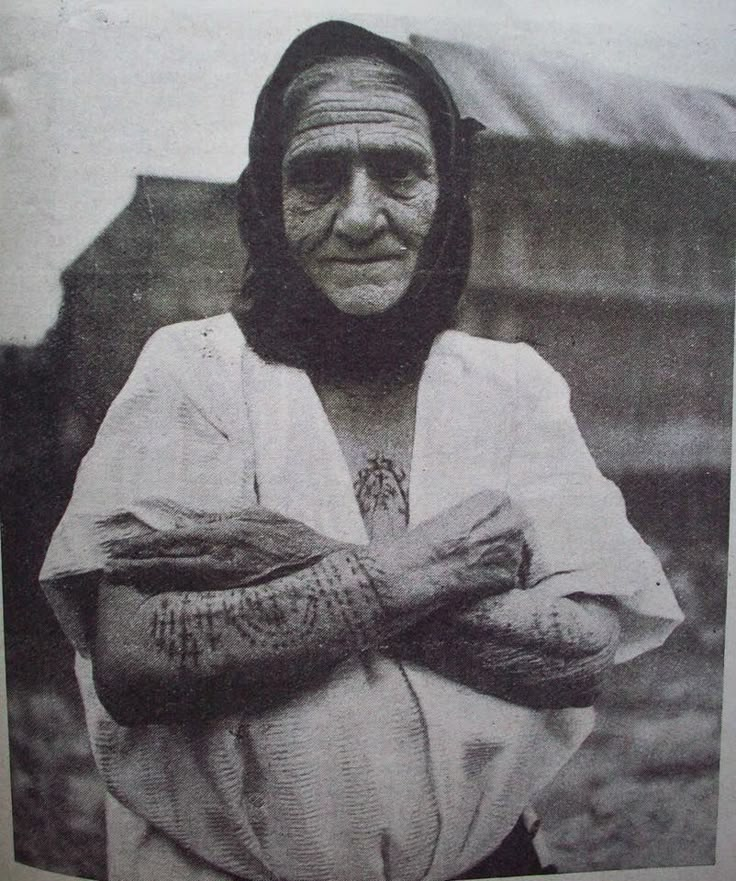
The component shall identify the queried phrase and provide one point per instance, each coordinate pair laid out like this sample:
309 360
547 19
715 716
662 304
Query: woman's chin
365 300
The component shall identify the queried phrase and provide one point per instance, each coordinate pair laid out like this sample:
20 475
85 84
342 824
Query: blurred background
604 236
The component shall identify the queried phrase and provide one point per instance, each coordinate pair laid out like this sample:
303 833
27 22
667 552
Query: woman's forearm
161 658
178 632
523 646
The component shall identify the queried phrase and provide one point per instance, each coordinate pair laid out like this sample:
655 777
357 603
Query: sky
92 94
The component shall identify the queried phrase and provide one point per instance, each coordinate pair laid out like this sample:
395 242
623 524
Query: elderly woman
343 582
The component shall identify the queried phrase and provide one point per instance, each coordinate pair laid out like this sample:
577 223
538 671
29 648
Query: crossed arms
253 608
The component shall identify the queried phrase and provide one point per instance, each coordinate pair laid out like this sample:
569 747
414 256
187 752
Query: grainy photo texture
339 496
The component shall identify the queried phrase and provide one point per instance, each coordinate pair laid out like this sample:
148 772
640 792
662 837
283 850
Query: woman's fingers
186 542
174 543
487 513
248 531
164 574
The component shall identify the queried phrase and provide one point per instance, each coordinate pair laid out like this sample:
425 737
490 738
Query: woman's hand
477 547
219 602
237 550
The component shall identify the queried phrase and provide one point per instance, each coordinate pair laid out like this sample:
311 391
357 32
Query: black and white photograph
366 399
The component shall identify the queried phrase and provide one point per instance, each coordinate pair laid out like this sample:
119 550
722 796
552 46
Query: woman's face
359 187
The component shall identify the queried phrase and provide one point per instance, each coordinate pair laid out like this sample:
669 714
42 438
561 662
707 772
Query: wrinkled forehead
352 91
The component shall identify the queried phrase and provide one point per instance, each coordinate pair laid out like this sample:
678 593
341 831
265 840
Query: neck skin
374 388
374 424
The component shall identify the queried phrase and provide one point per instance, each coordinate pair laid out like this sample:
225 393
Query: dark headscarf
282 315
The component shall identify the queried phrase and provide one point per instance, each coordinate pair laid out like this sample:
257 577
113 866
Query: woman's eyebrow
404 152
308 160
410 154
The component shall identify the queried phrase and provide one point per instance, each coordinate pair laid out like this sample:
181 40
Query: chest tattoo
381 490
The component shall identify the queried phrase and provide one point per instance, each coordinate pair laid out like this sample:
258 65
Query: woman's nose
360 215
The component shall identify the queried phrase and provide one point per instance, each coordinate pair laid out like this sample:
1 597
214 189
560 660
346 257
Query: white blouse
387 771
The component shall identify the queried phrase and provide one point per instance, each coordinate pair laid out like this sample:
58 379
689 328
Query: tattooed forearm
332 608
524 647
178 629
166 657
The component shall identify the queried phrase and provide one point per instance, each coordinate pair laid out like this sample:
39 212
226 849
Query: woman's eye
316 178
397 173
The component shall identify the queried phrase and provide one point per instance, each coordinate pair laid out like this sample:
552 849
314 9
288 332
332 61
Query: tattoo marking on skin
338 596
381 486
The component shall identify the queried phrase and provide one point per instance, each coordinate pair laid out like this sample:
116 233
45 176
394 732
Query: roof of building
567 101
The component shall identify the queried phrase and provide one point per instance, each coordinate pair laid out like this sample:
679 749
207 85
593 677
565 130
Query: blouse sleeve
159 451
582 541
175 440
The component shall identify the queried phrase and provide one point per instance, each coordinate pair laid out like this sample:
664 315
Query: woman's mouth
362 259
